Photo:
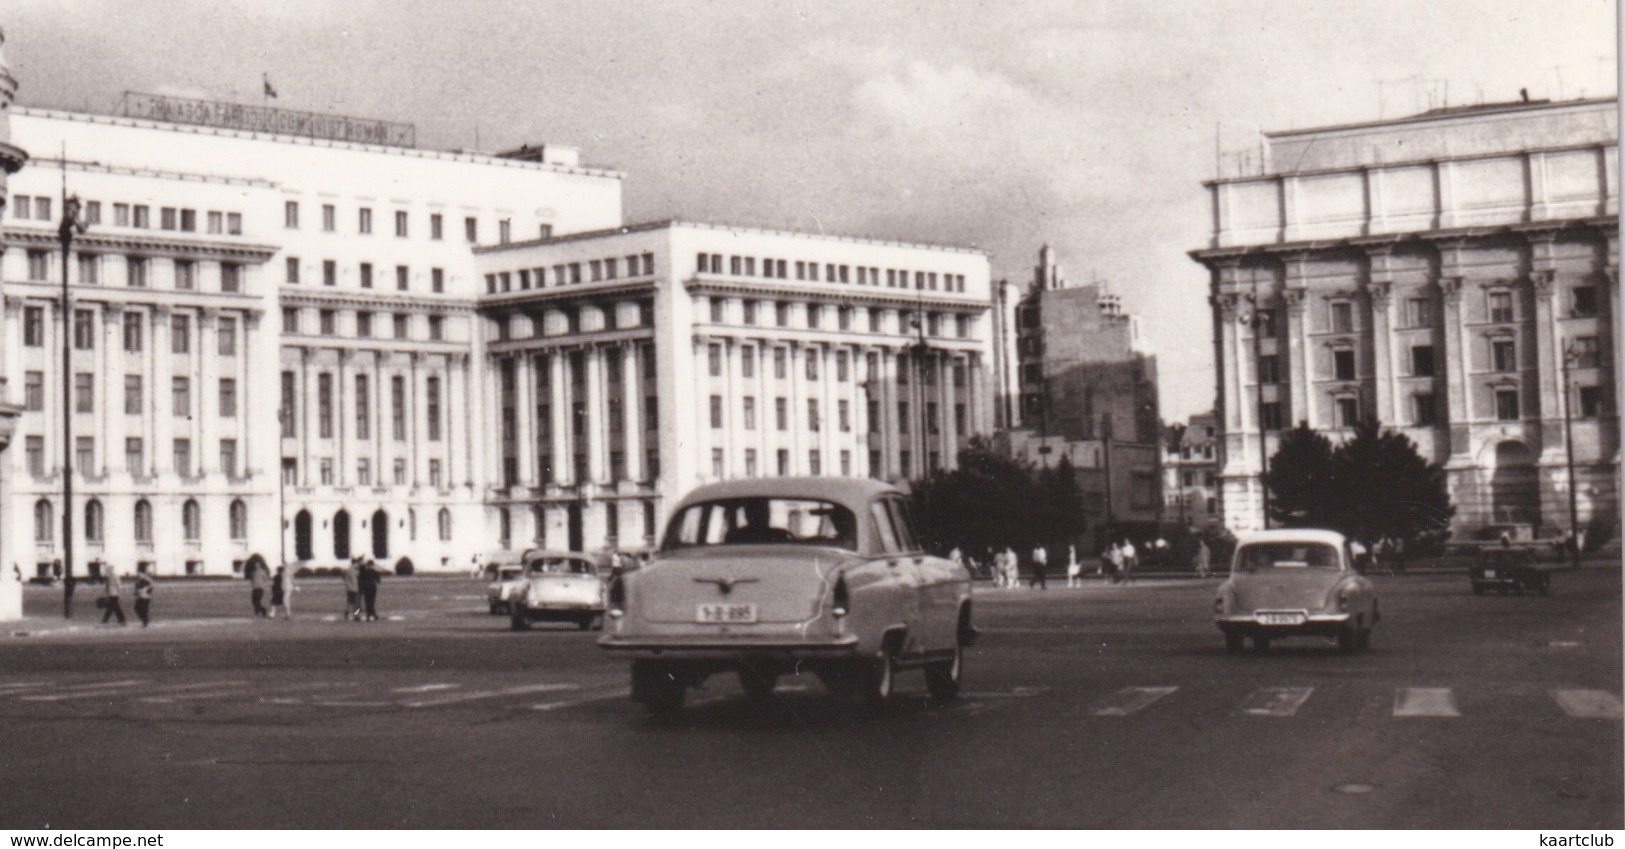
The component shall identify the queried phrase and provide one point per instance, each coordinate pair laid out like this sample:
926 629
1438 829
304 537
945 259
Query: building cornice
38 292
1272 176
858 296
98 242
362 300
573 294
1605 224
677 223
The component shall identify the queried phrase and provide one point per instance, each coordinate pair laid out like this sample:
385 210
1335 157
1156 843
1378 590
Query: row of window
135 457
782 356
138 216
325 471
133 326
1424 408
1421 312
570 273
612 523
365 275
843 415
908 321
437 223
896 278
617 471
1585 350
137 271
95 524
361 403
815 463
84 394
609 316
327 324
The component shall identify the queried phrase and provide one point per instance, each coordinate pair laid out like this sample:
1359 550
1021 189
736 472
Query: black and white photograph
1196 417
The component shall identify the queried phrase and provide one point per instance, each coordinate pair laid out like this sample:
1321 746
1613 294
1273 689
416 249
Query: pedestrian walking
1040 578
1203 561
259 580
144 585
352 590
279 594
112 587
1074 569
369 588
1012 569
1131 560
1114 562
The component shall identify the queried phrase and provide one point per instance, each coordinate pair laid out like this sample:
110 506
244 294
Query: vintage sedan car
559 586
507 581
1503 568
774 576
1295 582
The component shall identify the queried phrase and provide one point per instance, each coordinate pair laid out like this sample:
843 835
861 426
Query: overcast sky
1003 125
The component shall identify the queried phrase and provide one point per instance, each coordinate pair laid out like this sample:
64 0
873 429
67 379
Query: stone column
525 425
110 408
161 432
1548 362
1298 363
632 416
209 424
597 441
1455 361
307 418
1380 291
563 459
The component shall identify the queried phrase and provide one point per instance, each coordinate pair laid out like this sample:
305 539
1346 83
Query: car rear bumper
1314 624
717 647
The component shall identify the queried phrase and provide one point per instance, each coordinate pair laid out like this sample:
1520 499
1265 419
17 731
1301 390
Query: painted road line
1276 701
1425 701
1589 704
566 703
191 692
1130 700
488 694
11 689
425 688
343 703
1016 693
81 691
296 688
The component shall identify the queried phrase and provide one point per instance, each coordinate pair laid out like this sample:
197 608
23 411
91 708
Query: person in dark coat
144 586
369 588
279 592
259 580
112 587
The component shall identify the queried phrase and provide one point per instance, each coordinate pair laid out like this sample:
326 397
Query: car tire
758 685
1234 642
657 688
518 622
1362 640
1261 644
1348 639
942 680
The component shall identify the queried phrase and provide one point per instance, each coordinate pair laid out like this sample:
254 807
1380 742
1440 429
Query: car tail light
842 601
617 599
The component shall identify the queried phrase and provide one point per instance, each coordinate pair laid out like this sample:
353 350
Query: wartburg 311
1295 582
769 577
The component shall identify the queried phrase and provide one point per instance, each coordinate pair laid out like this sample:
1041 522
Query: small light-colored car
774 576
1295 582
507 581
558 586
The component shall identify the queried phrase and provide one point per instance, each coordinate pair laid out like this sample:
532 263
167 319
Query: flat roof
674 223
1452 113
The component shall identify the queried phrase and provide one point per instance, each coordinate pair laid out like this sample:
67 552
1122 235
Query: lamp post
1569 357
70 226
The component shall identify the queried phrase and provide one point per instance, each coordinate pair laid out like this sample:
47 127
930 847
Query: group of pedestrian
1118 561
111 601
279 584
361 579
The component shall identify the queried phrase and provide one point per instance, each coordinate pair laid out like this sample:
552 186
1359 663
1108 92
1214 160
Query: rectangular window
1586 351
1422 360
1348 411
363 408
1506 404
39 265
437 226
815 460
1270 415
366 275
84 455
471 229
714 360
34 327
166 218
1583 301
188 221
89 269
435 477
1504 355
185 275
747 361
401 328
180 400
234 223
781 366
781 413
750 412
288 411
432 407
324 405
1342 317
228 397
781 314
121 215
397 407
1343 364
84 330
1269 369
328 322
290 214
783 458
292 270
142 218
402 278
228 457
437 280
1591 402
437 328
1423 409
290 320
231 277
1419 312
326 472
135 456
364 224
902 417
813 420
1500 306
36 456
843 411
812 364
226 337
400 472
133 322
716 411
330 273
34 391
132 395
400 223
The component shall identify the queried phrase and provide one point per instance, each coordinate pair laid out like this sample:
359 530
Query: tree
1374 485
992 500
1299 480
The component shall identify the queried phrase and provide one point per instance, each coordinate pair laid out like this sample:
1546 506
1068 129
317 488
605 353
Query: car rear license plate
1279 618
726 614
1489 574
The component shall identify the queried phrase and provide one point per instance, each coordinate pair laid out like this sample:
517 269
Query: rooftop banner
265 119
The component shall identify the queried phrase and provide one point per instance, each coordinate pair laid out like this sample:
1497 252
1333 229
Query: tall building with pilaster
1453 274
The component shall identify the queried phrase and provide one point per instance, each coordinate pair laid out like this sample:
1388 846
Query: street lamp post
70 226
1568 446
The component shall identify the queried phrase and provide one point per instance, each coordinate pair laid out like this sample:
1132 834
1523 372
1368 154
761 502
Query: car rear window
757 521
1286 555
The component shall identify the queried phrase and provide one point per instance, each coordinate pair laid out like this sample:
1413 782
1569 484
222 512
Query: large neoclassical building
1453 274
307 321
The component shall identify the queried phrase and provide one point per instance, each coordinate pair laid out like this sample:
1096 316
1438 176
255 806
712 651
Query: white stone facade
1435 272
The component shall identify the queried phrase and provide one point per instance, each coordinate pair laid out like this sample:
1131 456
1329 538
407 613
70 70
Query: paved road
1106 707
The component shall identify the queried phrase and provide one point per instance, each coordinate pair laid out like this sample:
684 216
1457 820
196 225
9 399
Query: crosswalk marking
426 688
488 694
1589 704
564 703
1130 700
1425 701
80 691
1276 701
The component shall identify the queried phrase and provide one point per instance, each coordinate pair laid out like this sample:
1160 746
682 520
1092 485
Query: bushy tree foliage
993 500
1374 485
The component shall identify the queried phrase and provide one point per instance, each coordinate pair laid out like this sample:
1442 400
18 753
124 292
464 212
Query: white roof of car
1292 535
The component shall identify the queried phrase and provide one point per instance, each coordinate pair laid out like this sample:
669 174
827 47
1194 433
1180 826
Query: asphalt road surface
1102 707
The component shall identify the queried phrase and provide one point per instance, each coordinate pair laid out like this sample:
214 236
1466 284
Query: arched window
143 521
341 535
445 525
303 540
44 521
239 519
93 521
191 521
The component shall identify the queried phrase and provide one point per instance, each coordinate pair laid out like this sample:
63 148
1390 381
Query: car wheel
942 679
1348 639
1261 644
518 622
758 685
1234 642
1362 640
657 688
